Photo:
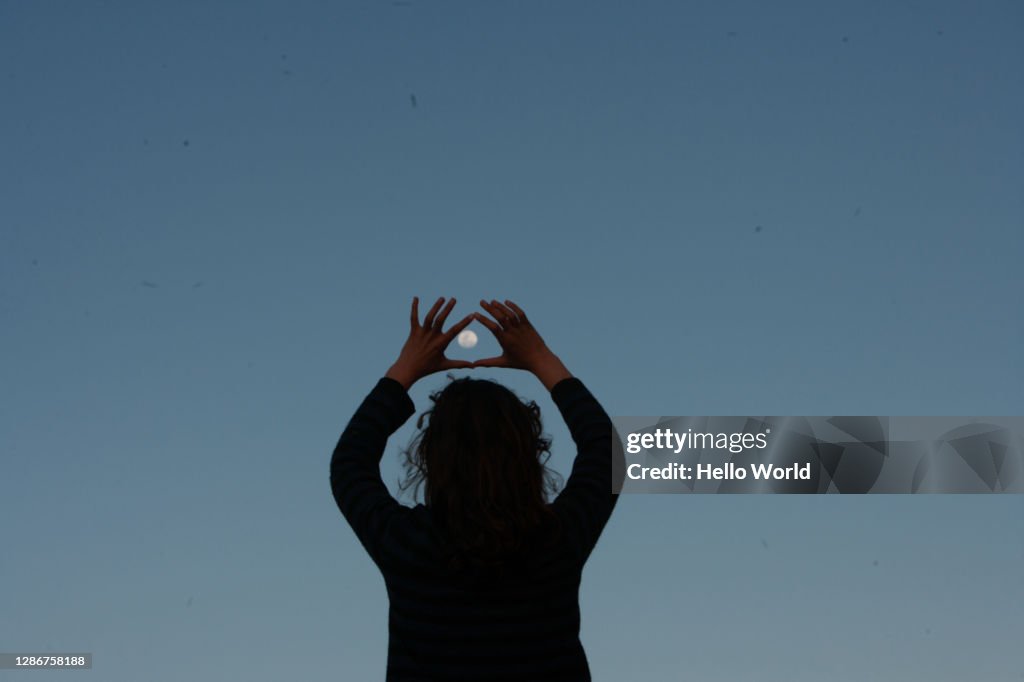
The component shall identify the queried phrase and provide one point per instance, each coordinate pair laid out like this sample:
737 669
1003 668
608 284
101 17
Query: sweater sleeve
356 483
587 501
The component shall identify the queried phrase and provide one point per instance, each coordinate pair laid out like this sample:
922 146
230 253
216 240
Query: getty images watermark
818 454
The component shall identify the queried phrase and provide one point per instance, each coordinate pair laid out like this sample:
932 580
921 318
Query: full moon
467 338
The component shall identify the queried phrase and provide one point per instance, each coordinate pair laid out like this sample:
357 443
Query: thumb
497 361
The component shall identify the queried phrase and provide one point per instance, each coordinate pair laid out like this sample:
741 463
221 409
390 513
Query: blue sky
213 218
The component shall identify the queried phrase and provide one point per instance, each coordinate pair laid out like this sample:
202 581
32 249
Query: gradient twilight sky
213 218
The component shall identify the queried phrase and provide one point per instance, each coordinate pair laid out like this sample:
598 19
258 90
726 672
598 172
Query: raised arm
356 484
587 501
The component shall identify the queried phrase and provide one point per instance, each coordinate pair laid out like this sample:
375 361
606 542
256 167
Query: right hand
521 345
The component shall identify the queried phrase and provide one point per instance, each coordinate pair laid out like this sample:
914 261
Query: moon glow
467 338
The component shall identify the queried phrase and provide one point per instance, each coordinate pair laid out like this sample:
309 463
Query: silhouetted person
483 578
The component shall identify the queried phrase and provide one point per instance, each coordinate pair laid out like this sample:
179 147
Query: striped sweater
519 624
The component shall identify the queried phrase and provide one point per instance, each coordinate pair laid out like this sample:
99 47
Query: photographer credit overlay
818 455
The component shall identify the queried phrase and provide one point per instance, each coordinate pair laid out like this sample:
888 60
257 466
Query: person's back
469 598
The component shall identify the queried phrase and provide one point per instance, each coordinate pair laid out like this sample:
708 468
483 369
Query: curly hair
482 464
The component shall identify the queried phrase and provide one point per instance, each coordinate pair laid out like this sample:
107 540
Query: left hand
423 352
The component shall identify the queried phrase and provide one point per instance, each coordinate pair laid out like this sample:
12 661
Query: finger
510 315
486 305
488 322
439 322
428 321
415 317
496 312
518 310
458 327
498 361
455 364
